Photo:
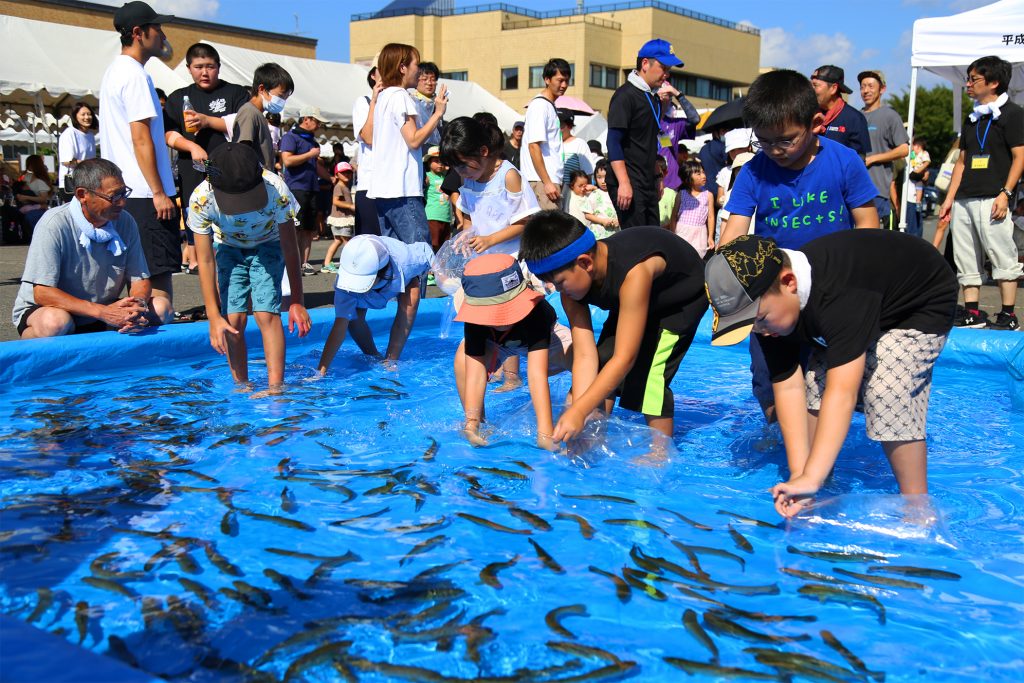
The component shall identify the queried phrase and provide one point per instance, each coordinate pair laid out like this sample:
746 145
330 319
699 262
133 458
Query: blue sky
797 34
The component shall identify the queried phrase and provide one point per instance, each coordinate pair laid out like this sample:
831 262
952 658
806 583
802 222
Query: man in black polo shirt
634 129
843 123
984 179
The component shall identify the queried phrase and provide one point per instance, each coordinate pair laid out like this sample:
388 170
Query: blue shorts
403 219
256 272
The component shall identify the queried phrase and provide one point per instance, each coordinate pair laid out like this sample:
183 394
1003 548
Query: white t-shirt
542 126
360 112
492 207
399 169
126 95
73 145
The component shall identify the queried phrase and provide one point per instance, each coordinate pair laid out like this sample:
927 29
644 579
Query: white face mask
275 105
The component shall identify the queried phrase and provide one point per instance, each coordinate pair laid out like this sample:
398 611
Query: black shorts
80 328
307 209
161 240
367 220
645 389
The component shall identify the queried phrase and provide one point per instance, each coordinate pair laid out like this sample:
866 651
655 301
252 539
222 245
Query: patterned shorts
896 386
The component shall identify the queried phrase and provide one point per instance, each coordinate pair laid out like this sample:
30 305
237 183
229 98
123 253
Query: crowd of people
759 224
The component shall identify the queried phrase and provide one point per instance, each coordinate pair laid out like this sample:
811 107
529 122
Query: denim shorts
404 219
256 272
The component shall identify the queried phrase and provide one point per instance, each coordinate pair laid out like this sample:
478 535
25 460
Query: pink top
693 210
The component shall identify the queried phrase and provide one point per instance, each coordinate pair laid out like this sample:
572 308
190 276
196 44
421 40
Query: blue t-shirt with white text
794 207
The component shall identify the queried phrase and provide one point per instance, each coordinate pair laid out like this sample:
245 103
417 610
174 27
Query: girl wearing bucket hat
504 317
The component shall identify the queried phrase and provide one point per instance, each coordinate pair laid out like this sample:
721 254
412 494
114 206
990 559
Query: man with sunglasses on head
83 256
373 271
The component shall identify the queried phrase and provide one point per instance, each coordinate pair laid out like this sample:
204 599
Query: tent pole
907 185
958 115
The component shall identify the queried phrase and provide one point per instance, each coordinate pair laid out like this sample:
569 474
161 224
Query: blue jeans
914 220
404 219
256 272
884 209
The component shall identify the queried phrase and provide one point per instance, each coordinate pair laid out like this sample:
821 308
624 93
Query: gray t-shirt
92 273
886 131
252 126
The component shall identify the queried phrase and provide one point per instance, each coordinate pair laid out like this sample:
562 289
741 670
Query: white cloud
186 9
782 49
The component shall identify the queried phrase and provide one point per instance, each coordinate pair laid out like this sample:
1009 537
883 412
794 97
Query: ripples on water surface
342 531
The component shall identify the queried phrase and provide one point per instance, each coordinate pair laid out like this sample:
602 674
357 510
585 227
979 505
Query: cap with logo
496 293
832 74
661 50
872 73
736 277
132 14
362 258
312 113
236 176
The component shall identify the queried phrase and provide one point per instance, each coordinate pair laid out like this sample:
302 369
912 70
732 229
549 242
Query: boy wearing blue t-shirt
800 186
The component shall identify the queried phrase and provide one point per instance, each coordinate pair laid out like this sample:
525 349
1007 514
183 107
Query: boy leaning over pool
652 285
372 271
874 308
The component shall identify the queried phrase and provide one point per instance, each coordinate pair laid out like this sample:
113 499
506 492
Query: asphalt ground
318 288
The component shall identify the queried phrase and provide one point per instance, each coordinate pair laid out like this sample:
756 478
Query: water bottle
186 106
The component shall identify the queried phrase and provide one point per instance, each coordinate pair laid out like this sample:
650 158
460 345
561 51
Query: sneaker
431 282
965 318
1004 321
329 268
308 269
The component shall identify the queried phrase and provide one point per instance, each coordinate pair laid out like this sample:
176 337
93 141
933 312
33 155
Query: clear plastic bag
450 260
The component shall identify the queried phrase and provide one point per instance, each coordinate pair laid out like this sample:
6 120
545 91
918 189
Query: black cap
736 277
132 14
832 74
236 176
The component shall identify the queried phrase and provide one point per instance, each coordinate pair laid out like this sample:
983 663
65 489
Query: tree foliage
933 116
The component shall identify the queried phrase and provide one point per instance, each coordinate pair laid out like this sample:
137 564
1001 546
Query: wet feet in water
511 383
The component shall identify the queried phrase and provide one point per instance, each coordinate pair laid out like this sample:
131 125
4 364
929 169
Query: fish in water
748 520
489 574
493 526
684 518
703 668
692 625
600 497
200 591
879 580
638 580
423 547
285 583
825 593
360 518
854 661
505 474
622 589
536 521
741 541
82 620
638 523
229 523
555 616
288 503
797 665
275 519
44 603
707 550
219 561
722 625
586 530
834 556
428 455
439 523
578 650
917 572
546 558
110 585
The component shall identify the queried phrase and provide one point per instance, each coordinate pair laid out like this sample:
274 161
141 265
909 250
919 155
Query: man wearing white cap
373 271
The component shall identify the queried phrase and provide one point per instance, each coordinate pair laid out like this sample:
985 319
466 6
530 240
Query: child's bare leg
510 368
909 461
333 248
273 346
238 359
665 425
460 373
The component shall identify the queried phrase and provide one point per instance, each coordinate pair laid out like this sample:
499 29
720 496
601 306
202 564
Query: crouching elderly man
83 256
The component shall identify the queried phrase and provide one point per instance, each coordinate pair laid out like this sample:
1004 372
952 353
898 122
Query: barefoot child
505 318
251 215
874 309
652 285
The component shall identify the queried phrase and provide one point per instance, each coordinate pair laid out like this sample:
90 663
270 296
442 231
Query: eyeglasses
119 196
971 80
785 145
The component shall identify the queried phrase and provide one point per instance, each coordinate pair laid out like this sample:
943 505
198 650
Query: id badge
979 162
665 140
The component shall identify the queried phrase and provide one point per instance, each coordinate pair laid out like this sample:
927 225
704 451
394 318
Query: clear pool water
340 531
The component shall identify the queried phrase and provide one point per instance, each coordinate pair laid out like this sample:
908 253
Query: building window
455 75
694 86
537 76
604 76
510 78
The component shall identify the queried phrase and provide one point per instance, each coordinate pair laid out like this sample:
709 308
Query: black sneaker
1004 321
972 319
308 269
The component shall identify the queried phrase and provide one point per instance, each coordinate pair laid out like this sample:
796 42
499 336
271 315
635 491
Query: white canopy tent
945 46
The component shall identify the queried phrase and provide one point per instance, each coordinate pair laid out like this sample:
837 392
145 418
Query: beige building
504 48
181 32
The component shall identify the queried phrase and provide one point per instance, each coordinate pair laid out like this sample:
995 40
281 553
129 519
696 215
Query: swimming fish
285 583
439 523
622 589
825 593
229 523
275 519
428 455
748 520
919 572
840 556
339 559
554 619
724 626
740 540
802 666
44 603
360 518
288 503
707 550
880 580
199 590
82 620
436 570
536 521
855 661
579 650
505 474
220 562
110 585
638 580
493 526
600 497
813 576
316 657
684 518
423 547
330 449
639 523
546 557
703 668
489 574
700 635
586 530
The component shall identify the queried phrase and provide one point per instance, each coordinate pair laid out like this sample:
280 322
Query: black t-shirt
531 333
512 154
226 98
850 128
999 135
452 182
863 283
672 292
636 112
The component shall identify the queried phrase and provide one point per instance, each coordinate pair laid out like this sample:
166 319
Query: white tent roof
55 60
334 86
947 45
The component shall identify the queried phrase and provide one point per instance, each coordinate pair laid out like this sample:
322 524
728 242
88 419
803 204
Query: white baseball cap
361 259
737 138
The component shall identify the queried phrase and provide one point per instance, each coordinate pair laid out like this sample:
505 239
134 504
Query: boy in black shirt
984 179
651 283
505 317
874 308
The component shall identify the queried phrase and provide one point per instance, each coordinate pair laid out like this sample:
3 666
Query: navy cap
661 50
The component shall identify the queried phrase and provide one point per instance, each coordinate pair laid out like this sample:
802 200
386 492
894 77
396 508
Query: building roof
444 9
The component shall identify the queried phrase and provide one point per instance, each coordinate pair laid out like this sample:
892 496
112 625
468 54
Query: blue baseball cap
661 50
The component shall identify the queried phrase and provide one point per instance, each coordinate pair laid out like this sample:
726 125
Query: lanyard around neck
982 138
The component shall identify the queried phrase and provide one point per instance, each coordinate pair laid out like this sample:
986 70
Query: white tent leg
958 114
908 186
